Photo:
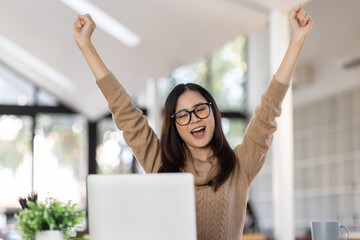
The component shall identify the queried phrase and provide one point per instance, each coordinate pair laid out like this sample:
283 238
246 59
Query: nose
194 118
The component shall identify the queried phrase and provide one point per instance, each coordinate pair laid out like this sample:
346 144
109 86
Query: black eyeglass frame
192 111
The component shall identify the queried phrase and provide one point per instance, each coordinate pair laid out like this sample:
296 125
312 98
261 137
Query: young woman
192 139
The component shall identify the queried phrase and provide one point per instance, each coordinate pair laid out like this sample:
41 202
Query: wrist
85 44
297 40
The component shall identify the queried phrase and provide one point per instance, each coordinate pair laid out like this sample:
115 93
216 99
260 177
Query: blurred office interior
55 127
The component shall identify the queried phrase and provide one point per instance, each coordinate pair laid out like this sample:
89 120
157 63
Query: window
43 146
60 157
112 154
15 158
234 129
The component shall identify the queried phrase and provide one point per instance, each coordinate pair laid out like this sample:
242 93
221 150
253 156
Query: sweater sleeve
128 118
259 134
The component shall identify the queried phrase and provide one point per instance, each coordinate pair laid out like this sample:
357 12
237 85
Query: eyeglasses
183 117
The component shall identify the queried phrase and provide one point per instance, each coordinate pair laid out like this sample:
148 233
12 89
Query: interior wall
319 73
327 161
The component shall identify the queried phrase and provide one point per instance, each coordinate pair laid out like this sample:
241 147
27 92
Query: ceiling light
105 21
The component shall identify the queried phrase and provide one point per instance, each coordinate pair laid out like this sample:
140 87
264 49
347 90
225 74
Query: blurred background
55 127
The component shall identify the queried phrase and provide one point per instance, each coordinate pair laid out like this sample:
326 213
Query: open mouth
198 131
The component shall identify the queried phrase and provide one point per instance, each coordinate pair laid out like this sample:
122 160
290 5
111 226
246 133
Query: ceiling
36 39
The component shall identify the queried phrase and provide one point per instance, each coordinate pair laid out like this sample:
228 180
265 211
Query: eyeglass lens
202 111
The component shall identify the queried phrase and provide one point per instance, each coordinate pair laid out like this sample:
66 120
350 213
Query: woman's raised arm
84 27
301 24
127 117
259 133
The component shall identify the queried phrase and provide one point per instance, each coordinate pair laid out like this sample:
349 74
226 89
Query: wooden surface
352 236
254 237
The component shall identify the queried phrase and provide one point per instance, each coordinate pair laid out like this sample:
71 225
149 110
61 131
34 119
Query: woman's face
199 132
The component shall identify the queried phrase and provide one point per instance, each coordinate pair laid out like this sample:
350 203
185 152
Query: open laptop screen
141 206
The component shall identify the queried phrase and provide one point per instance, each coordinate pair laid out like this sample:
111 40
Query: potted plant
52 220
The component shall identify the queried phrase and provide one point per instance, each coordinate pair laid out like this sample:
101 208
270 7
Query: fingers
294 12
301 16
78 24
88 15
81 20
306 19
86 18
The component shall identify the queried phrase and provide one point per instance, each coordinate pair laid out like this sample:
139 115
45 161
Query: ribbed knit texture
220 215
208 205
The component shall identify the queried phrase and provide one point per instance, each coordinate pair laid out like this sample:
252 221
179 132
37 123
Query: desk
352 236
253 237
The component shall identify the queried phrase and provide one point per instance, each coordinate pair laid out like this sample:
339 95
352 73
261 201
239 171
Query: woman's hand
84 27
301 24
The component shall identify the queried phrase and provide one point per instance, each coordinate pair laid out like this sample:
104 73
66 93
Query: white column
283 160
153 106
258 67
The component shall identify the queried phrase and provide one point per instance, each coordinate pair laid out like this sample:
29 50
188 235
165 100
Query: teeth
198 129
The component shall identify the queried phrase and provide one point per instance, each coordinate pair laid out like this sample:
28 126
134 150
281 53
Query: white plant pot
50 235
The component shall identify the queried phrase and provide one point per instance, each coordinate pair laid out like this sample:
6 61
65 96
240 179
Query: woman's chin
199 145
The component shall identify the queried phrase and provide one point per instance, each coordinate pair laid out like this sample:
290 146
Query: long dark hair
173 149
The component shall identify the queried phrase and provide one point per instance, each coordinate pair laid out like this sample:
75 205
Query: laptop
141 206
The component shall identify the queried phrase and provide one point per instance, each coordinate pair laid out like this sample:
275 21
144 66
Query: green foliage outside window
69 135
13 144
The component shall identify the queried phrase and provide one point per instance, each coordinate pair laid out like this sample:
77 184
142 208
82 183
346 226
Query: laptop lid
141 206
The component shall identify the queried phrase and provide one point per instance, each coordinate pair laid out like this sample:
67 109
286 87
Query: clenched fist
301 23
84 27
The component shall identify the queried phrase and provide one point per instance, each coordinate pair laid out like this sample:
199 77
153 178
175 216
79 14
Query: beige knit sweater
220 215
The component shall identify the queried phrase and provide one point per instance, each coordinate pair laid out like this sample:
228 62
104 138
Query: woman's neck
202 154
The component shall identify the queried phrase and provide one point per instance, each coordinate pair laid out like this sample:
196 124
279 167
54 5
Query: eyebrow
193 107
